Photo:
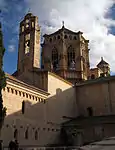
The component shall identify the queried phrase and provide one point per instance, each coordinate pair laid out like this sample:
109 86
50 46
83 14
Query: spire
29 13
29 10
62 24
102 62
101 58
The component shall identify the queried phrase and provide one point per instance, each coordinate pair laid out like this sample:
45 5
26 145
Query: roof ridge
102 62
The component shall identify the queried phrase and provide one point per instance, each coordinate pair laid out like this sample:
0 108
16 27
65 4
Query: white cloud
3 6
2 3
11 48
85 15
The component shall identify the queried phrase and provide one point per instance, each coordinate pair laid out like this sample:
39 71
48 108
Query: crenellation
23 94
30 96
20 93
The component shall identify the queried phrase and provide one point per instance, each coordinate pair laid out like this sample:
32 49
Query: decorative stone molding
23 94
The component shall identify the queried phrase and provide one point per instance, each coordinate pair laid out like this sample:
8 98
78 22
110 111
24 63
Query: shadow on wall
33 122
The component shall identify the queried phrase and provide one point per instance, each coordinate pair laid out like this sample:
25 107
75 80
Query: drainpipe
109 96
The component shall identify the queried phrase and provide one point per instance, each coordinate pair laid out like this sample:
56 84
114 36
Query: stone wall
13 96
62 101
89 129
97 94
40 123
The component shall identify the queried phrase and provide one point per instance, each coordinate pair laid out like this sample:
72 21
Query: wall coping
94 119
96 81
60 78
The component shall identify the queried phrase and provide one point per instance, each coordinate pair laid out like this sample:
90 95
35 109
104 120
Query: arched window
22 28
58 36
26 134
50 39
75 38
15 134
102 75
54 58
90 111
92 76
71 55
23 107
27 46
65 36
36 135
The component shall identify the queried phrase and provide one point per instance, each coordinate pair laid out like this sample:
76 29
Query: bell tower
29 44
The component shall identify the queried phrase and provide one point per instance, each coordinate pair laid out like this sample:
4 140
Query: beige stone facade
14 94
95 73
96 109
29 44
97 94
39 100
43 113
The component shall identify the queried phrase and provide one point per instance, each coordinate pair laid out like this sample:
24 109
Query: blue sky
97 21
11 16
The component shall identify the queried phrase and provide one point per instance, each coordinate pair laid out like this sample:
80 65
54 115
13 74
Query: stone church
56 87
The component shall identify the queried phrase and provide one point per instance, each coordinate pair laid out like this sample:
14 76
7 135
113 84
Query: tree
2 80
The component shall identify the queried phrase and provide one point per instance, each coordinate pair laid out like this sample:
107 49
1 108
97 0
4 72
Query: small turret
102 63
63 25
104 67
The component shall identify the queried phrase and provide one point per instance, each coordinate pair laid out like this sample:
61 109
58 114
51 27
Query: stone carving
55 64
72 65
27 37
27 47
